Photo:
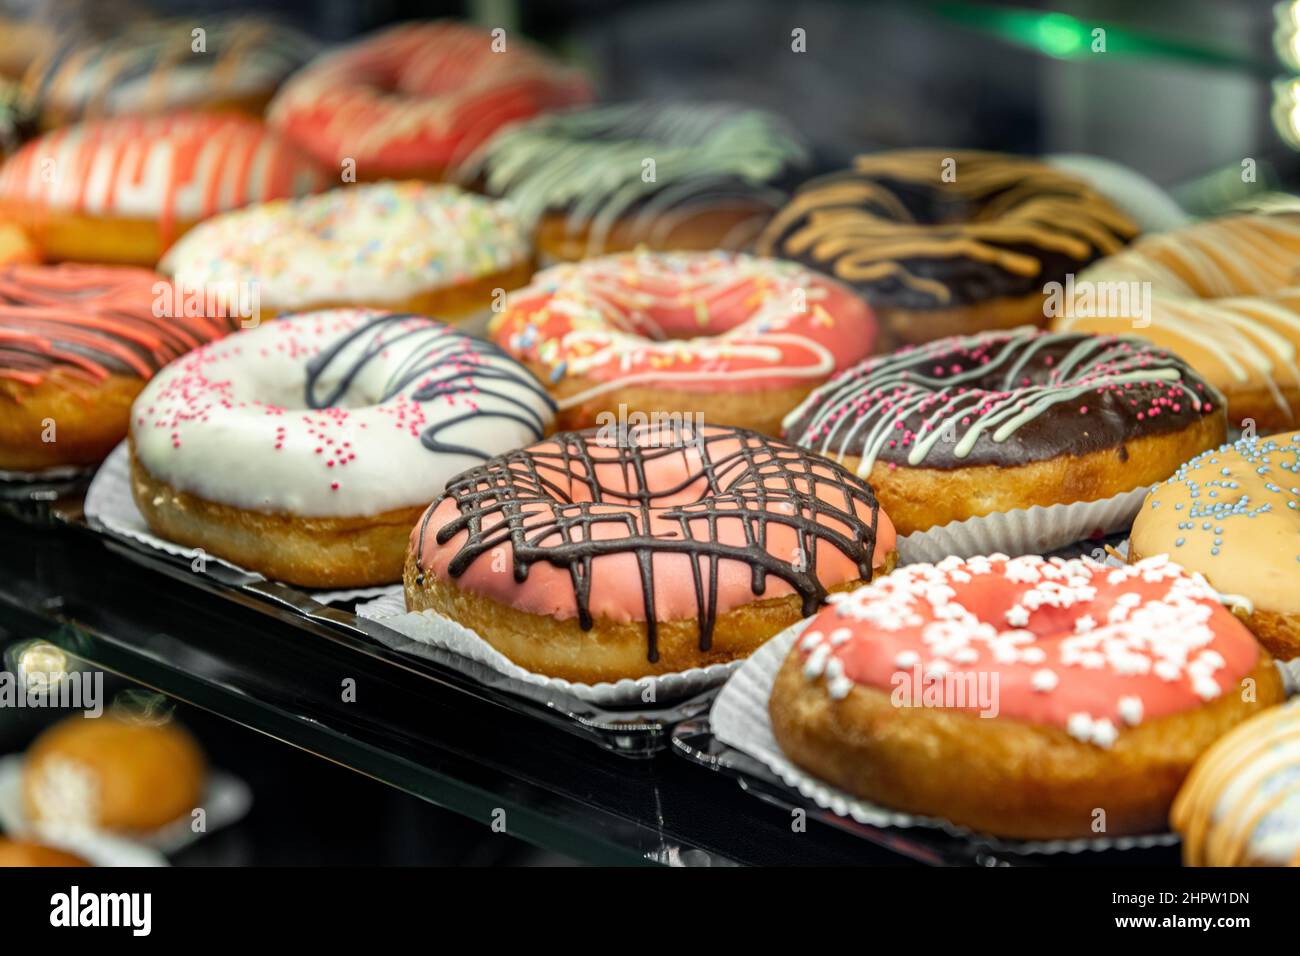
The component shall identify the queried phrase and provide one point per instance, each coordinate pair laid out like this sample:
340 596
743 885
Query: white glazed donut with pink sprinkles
323 426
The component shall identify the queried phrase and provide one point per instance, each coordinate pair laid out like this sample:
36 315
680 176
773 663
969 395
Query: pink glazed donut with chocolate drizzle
1021 697
597 557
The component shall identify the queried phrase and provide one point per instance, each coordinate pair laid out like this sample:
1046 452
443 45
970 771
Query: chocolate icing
893 228
450 366
529 492
973 398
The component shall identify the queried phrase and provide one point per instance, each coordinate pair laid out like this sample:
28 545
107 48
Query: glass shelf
426 737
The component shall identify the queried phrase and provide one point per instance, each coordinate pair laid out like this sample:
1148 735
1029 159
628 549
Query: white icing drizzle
962 411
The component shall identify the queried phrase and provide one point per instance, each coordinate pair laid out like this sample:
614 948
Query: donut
16 247
415 100
1240 805
948 242
349 422
1222 294
656 551
972 425
1233 515
77 344
28 853
584 176
121 773
406 247
155 68
727 337
122 190
1024 697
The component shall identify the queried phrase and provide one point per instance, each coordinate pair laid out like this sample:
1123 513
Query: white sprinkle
1045 681
1130 710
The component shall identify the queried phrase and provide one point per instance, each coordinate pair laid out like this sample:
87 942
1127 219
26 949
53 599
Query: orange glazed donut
1233 515
666 550
721 337
1025 697
123 190
1223 295
417 99
77 344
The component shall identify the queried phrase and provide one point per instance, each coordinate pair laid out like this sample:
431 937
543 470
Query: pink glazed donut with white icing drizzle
739 340
1021 697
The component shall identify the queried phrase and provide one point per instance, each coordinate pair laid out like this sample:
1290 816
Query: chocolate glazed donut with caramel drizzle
948 243
77 343
591 558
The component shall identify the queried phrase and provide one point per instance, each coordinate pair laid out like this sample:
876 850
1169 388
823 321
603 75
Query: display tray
633 732
694 741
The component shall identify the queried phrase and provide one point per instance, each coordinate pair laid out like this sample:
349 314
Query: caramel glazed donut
937 256
1020 697
596 561
1233 514
404 247
77 344
305 449
968 426
1223 294
720 171
1241 804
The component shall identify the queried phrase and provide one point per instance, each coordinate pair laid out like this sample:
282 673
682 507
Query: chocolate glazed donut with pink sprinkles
971 425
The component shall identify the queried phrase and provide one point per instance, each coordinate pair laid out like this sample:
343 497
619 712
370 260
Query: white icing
210 423
372 244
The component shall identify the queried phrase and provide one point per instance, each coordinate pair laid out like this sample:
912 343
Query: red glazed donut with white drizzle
1021 697
737 339
971 425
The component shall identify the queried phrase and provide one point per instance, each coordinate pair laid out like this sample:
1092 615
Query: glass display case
1192 107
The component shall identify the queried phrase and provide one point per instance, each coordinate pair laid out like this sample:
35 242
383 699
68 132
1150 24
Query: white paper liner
740 719
225 800
429 628
1036 530
109 504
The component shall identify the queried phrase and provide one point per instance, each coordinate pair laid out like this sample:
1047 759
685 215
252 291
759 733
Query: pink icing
616 592
1073 644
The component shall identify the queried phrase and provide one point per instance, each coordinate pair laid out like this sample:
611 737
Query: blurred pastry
1240 806
675 176
123 190
117 772
415 100
155 68
28 853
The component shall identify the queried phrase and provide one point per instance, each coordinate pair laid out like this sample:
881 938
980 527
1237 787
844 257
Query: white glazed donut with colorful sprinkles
1018 695
351 416
380 244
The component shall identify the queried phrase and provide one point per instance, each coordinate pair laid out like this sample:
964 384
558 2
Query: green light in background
1060 35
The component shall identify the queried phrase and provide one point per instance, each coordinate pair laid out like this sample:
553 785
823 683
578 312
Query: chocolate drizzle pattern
448 365
1000 399
544 501
894 228
90 321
